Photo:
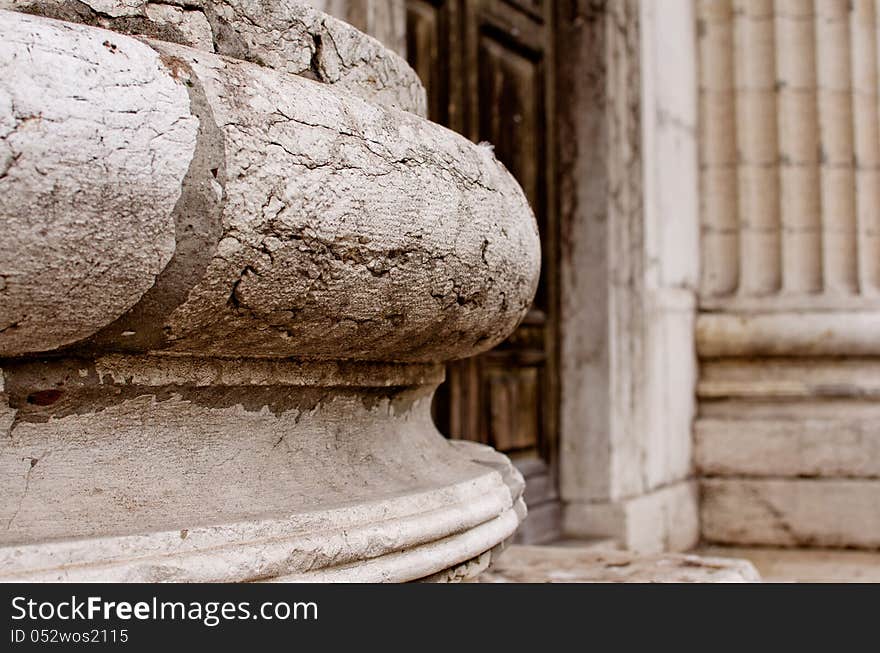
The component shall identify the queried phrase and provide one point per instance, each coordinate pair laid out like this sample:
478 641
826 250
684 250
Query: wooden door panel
426 46
510 87
511 117
514 407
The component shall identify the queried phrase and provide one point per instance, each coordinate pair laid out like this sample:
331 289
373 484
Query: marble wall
786 436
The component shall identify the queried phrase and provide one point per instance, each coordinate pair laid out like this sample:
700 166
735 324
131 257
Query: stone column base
159 468
233 266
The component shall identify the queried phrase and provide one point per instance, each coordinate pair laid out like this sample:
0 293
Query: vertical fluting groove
800 198
867 142
834 98
757 142
718 151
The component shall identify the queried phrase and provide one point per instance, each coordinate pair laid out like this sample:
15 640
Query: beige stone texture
246 282
789 116
350 232
789 333
666 519
628 336
76 253
788 322
384 20
805 566
791 512
628 296
789 378
792 447
555 564
340 463
286 35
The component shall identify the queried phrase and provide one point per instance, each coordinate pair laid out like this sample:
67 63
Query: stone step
587 564
805 566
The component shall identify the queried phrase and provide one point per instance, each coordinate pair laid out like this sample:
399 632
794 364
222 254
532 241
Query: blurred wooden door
487 66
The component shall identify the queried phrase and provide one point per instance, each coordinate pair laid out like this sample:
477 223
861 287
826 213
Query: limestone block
655 450
287 35
554 564
802 333
384 20
796 377
791 512
801 79
463 573
627 353
790 447
669 142
193 26
765 425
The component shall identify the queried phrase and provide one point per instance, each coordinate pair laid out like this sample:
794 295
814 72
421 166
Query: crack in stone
266 35
27 485
197 218
778 517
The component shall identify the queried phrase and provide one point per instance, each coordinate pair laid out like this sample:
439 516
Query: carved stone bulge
231 269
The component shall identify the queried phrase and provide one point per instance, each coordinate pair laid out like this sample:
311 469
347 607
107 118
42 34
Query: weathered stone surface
805 566
788 333
285 35
248 281
789 154
788 447
385 20
790 378
187 469
310 223
666 519
765 426
627 175
791 512
462 573
793 333
553 564
94 146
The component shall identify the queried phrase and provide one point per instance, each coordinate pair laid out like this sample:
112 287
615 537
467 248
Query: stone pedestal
235 258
